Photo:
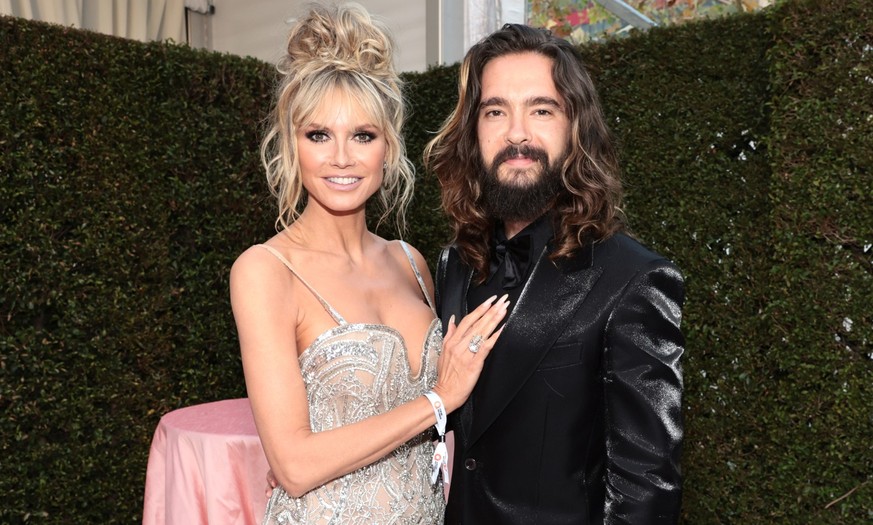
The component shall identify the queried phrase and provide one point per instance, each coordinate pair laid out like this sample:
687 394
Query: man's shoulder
450 256
622 260
623 252
450 265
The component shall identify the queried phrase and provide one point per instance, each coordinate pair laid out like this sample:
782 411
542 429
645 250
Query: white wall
135 19
427 32
258 28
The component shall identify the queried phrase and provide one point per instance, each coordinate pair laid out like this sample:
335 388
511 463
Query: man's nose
518 132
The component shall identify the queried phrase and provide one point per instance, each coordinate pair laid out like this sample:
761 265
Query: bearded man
576 417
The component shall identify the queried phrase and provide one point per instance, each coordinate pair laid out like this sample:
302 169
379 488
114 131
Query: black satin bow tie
515 253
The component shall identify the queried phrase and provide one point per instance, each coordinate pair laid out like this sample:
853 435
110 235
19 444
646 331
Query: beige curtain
142 20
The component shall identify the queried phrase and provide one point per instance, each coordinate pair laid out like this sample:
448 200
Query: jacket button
470 464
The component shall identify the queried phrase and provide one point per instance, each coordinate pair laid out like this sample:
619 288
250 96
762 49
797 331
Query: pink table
206 466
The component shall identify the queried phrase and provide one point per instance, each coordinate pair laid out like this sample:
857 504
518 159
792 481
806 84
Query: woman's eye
317 136
364 137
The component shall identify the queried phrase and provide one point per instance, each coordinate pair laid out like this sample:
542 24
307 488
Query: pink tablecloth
206 466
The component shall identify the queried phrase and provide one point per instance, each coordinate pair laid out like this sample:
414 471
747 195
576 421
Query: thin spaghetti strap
418 275
333 313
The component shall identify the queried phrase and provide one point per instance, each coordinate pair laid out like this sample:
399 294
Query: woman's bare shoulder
262 270
399 254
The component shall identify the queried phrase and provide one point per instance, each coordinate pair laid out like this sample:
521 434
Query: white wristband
440 463
439 410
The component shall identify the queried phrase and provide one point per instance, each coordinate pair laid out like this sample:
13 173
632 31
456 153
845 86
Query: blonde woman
345 364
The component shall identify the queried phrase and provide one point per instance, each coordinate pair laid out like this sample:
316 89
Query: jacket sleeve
643 395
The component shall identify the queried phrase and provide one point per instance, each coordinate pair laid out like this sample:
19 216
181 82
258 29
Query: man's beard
529 193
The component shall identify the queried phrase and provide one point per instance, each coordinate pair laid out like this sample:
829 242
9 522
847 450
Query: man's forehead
518 76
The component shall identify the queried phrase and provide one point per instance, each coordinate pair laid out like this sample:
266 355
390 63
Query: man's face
521 107
523 132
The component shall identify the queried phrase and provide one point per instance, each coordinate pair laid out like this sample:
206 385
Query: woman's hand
465 347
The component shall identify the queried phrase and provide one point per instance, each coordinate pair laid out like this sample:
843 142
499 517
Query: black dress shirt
540 233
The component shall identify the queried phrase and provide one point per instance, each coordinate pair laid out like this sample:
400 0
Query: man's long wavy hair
588 210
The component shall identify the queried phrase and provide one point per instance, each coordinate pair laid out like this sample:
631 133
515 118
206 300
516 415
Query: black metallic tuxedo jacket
577 415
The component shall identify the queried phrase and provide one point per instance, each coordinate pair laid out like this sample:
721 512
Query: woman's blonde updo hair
337 49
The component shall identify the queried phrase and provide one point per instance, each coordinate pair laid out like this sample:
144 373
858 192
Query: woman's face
341 154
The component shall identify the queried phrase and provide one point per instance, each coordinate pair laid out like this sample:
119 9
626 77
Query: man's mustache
531 152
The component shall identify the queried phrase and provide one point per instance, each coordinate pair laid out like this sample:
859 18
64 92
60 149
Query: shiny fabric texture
577 415
352 372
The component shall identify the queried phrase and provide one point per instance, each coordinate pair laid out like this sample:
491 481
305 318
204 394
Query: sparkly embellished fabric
352 372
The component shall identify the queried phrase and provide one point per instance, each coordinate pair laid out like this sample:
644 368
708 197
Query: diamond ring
475 343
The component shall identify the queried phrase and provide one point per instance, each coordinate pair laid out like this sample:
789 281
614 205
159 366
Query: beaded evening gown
352 372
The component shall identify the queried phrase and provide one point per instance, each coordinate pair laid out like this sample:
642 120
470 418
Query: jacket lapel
547 303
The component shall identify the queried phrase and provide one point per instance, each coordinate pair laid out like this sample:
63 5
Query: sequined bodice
352 372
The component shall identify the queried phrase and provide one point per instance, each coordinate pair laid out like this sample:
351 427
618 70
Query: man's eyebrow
543 101
493 101
533 101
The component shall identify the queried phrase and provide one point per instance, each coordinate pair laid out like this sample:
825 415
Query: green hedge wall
815 423
131 181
